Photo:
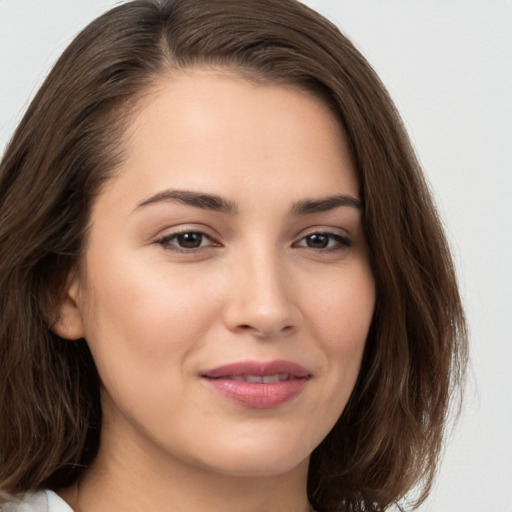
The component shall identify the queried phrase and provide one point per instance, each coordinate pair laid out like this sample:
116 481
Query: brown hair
389 437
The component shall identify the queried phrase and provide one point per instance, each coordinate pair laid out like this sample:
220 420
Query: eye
186 241
324 240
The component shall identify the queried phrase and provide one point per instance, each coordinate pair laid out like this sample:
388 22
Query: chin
258 460
262 468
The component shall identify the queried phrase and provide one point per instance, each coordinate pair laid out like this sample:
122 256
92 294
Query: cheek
138 321
342 309
340 317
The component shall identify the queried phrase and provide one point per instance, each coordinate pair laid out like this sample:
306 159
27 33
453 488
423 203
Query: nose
261 302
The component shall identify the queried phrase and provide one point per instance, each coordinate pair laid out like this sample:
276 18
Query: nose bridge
260 298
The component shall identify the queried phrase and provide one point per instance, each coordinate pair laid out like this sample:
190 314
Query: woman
224 283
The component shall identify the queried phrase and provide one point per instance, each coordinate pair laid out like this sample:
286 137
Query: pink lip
258 395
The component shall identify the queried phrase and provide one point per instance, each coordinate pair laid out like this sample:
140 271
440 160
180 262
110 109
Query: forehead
218 131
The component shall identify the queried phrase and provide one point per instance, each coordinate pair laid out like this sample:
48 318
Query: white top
40 501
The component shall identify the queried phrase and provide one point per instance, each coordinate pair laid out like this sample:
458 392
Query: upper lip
259 368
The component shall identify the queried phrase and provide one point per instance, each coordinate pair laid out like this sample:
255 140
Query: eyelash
166 243
341 242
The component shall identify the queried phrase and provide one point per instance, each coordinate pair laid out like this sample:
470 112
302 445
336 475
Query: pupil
190 240
318 241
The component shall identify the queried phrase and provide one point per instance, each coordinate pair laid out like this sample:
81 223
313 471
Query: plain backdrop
448 66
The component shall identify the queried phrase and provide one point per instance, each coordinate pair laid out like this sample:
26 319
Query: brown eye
317 241
191 240
188 240
327 241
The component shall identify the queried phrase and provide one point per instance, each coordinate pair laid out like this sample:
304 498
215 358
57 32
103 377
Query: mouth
257 384
263 379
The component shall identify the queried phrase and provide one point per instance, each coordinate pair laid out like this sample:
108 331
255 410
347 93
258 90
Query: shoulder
40 501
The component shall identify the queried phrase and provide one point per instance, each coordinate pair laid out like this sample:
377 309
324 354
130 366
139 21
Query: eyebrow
204 201
217 203
323 204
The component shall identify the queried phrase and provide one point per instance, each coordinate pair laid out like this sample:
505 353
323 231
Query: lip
223 380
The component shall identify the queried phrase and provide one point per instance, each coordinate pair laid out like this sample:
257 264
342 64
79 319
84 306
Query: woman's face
227 292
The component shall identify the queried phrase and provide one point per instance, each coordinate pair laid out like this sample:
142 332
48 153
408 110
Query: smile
258 385
266 379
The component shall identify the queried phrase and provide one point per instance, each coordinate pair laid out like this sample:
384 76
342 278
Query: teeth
259 379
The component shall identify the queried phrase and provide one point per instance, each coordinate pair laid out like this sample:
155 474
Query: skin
156 314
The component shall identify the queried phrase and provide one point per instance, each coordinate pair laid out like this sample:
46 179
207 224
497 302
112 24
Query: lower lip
258 395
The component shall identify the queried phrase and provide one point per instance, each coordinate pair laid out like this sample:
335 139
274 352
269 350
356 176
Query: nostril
265 332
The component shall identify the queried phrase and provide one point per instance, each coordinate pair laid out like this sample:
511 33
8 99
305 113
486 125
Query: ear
69 323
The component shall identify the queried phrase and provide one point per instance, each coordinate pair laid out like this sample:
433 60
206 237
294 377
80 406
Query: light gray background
448 65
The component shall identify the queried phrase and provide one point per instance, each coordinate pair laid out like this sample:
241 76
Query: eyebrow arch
196 199
309 206
217 203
